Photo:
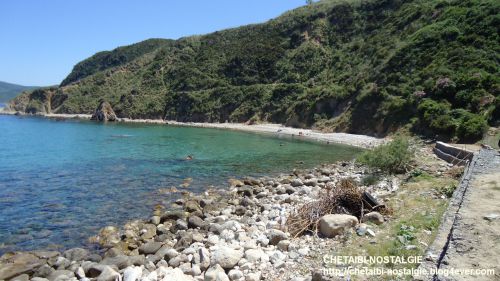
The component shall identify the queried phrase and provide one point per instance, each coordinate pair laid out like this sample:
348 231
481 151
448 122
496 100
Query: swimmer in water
189 157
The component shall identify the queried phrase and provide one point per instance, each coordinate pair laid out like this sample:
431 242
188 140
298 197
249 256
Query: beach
361 141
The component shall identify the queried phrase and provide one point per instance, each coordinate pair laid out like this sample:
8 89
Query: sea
63 180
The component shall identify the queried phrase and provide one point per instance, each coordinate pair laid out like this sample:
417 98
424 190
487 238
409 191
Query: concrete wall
453 155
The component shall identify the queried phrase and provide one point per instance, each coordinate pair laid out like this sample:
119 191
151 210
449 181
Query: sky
41 41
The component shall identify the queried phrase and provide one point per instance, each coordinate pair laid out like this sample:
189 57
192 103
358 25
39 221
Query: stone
46 254
155 220
370 232
240 210
176 274
333 225
311 182
92 270
22 277
255 255
226 257
109 236
108 274
173 215
150 247
202 258
303 251
137 260
39 279
104 112
192 206
80 273
275 236
276 257
374 217
132 273
185 268
253 276
195 222
235 274
283 245
296 182
195 270
167 253
235 183
216 273
148 231
180 225
94 257
184 241
290 190
178 260
361 229
60 275
113 252
10 270
44 271
246 202
491 217
245 191
76 254
120 261
62 263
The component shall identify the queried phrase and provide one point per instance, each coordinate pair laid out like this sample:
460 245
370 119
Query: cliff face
369 66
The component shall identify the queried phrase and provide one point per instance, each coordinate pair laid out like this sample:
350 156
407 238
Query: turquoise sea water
60 181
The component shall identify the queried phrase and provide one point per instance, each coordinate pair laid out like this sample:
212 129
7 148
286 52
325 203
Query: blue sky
41 41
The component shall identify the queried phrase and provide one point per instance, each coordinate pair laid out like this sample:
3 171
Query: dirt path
473 241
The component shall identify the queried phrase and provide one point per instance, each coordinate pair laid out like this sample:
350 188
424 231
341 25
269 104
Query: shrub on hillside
472 127
393 157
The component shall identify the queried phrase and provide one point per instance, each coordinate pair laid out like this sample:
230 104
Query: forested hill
9 90
367 66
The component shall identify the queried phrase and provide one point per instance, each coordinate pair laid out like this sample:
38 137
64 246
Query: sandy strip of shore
274 129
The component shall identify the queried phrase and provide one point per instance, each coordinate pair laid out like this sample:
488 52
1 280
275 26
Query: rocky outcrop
104 112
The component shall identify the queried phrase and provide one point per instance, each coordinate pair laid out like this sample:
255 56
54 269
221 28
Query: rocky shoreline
239 233
361 141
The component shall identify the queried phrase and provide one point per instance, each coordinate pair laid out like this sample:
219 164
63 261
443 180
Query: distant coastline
361 141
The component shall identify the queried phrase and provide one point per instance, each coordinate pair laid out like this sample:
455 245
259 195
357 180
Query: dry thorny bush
343 198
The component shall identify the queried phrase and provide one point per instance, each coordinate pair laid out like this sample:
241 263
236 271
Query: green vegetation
363 66
393 157
9 91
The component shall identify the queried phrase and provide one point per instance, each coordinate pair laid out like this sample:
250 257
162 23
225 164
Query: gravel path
472 243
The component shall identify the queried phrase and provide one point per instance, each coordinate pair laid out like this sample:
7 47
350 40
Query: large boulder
104 112
333 225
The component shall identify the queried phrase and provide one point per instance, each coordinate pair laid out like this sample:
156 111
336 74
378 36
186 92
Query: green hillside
9 91
372 67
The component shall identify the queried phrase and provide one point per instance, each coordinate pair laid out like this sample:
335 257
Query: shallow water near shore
60 181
